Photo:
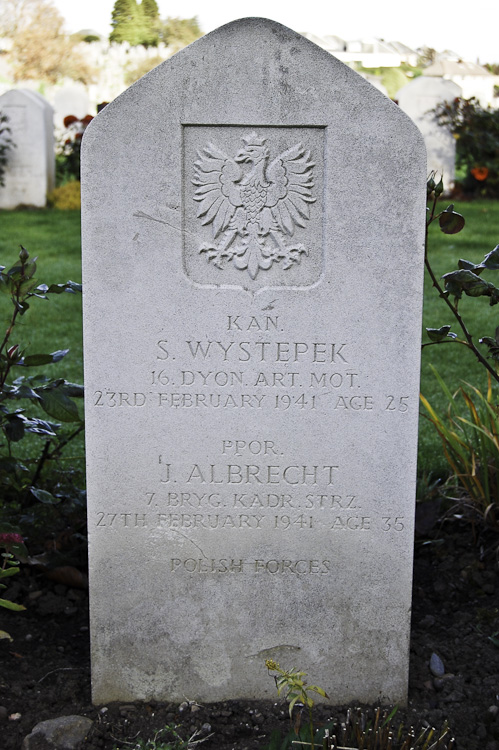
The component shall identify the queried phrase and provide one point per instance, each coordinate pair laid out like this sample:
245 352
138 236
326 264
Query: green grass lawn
56 324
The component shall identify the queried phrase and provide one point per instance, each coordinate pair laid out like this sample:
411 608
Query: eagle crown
254 151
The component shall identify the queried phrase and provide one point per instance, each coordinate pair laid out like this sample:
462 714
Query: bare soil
45 671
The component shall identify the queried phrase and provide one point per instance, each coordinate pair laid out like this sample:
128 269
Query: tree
150 12
125 22
40 48
150 9
134 23
179 32
13 16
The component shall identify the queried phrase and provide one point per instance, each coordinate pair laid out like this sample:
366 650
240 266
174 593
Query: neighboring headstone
417 100
49 136
253 228
30 171
71 100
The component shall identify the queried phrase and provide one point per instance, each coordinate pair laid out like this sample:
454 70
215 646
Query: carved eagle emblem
255 207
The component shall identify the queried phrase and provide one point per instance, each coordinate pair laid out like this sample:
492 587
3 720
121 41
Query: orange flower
69 120
480 173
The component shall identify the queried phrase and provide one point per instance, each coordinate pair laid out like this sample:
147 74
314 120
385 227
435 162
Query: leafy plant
54 396
370 729
66 197
13 544
471 445
477 148
296 691
69 148
6 143
465 280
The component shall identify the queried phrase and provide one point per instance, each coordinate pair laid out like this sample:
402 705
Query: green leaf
30 269
74 390
14 428
467 265
8 572
25 391
35 360
27 286
318 690
5 636
45 497
41 427
492 344
294 699
57 404
390 716
15 272
439 334
491 261
70 286
451 222
472 285
11 605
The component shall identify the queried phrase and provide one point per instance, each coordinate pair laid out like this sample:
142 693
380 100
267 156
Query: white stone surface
417 99
31 166
49 136
71 100
251 419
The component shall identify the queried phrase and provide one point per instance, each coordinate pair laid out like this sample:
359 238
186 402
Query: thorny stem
469 339
10 328
49 456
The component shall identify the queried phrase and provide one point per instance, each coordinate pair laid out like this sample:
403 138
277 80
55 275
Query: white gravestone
49 136
253 226
71 100
30 170
417 99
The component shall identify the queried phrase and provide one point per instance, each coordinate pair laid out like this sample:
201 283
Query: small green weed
165 739
296 691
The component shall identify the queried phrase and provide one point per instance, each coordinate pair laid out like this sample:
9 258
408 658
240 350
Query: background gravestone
71 100
417 99
30 171
49 136
253 227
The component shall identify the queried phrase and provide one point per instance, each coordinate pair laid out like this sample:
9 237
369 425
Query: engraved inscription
225 565
255 207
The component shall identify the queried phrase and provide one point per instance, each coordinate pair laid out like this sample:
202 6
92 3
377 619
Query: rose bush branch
465 280
53 395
